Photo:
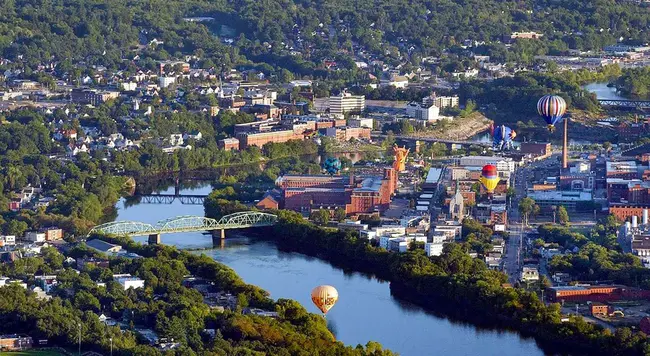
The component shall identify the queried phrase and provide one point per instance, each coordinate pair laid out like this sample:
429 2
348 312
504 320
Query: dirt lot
459 128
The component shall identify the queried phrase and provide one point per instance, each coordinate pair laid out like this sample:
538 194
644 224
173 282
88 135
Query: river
603 92
365 311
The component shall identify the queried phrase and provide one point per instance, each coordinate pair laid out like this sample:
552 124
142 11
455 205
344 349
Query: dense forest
35 32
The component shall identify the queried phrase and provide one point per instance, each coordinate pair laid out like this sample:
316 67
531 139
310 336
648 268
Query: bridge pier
154 239
218 236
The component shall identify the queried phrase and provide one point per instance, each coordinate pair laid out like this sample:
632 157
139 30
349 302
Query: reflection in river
366 310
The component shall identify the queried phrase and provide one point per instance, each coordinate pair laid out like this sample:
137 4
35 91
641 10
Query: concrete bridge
240 220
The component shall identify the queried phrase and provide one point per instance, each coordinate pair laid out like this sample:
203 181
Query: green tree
16 227
339 214
321 216
562 215
526 207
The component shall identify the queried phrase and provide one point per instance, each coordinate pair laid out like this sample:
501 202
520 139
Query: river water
603 92
366 311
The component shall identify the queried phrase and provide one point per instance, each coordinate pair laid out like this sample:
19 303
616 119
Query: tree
339 214
321 217
16 228
607 146
562 215
526 206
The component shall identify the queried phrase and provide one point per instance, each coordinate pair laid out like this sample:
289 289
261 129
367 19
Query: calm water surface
603 92
366 311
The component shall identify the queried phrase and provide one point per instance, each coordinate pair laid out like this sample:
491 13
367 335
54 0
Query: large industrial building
366 193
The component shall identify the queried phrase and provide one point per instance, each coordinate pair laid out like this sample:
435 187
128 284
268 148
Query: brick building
623 212
15 342
348 133
628 191
599 293
92 96
536 150
228 144
259 139
363 193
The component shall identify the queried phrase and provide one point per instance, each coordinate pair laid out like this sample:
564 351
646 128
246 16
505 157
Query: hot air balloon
503 136
324 297
332 165
489 178
551 108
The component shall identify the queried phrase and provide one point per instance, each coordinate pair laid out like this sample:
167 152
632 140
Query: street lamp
111 339
79 324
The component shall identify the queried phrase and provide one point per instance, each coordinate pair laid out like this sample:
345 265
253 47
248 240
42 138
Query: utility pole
111 339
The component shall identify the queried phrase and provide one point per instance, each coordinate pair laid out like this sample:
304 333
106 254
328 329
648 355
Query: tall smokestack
565 148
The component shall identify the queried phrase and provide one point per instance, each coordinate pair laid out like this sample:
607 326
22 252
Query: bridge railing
187 223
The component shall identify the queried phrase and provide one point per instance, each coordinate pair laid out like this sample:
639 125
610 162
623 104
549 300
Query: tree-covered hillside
107 31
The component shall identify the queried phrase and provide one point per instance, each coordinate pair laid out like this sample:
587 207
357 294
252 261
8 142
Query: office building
346 103
91 96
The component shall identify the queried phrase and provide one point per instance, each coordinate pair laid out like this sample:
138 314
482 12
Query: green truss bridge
240 220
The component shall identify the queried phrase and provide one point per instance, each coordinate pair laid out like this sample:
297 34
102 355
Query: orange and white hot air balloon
324 297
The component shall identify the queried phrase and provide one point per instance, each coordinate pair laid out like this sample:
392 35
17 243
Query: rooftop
100 245
554 195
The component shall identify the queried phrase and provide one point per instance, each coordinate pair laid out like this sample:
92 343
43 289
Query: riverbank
454 285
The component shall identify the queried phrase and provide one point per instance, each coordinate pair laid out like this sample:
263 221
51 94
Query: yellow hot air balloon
324 297
489 178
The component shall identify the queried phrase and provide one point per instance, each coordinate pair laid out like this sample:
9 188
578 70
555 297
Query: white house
433 248
35 236
529 273
8 240
127 281
164 82
176 139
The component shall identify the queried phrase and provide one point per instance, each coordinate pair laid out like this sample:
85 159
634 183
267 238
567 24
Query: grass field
32 353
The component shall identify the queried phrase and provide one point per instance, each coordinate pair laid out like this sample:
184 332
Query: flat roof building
346 102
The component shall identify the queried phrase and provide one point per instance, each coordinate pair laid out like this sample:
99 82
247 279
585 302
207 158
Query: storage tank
644 221
635 222
628 228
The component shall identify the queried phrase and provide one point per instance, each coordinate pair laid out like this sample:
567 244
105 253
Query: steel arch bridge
187 223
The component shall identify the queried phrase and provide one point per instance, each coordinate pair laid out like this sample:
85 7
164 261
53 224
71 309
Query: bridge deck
239 220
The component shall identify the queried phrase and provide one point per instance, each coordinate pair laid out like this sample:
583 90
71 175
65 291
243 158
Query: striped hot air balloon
489 177
551 108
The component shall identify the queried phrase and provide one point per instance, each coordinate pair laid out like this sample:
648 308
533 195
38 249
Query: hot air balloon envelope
489 177
502 137
324 297
332 166
551 108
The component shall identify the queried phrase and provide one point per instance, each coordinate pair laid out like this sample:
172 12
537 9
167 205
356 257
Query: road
519 181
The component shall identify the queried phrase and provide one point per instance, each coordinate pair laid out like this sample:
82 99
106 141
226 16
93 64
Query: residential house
46 282
103 246
35 236
529 273
127 281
